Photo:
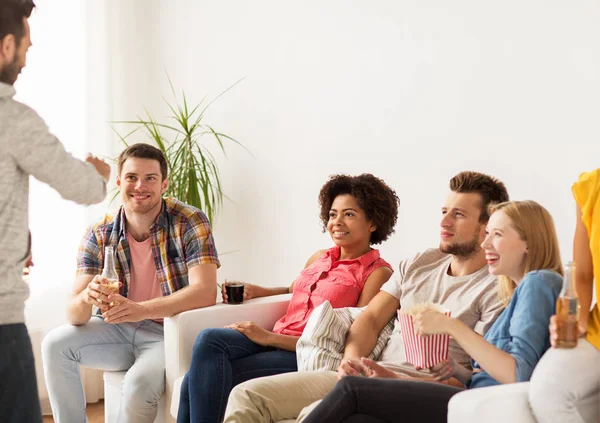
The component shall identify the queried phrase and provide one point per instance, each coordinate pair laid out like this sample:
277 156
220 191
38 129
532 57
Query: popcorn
422 351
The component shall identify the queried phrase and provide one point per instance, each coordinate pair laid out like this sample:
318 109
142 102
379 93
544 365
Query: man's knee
246 405
253 391
56 343
143 389
238 394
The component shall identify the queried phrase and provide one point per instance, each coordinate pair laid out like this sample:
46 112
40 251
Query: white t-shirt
473 299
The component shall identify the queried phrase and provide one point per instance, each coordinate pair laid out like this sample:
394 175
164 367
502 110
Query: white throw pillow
323 340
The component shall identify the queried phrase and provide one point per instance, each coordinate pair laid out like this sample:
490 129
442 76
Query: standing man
167 263
27 148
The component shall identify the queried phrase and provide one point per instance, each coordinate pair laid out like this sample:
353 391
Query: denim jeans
135 347
222 359
19 401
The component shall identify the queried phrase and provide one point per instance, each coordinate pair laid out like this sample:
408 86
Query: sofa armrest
494 404
182 329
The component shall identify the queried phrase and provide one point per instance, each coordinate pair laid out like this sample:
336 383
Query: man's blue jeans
19 401
136 347
222 359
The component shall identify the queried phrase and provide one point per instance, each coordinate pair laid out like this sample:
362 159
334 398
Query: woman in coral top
565 386
357 211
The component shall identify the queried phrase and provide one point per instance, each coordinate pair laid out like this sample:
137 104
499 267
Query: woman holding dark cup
357 212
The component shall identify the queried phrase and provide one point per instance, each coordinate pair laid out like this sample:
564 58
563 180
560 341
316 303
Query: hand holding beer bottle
564 326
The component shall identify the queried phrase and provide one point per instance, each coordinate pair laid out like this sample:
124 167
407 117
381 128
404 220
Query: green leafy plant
193 173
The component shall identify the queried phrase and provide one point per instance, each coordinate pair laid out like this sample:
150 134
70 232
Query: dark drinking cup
235 293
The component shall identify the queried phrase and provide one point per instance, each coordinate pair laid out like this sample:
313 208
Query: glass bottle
109 273
567 310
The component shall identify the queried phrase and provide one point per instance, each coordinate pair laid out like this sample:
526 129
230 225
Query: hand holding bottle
125 310
581 331
564 325
97 292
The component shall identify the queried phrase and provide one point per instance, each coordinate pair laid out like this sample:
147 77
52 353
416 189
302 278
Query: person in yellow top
565 386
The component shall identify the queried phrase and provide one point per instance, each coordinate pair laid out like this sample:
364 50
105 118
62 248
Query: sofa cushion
322 343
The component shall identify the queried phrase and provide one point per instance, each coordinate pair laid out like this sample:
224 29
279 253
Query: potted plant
194 177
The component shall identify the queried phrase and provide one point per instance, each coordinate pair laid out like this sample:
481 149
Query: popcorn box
422 351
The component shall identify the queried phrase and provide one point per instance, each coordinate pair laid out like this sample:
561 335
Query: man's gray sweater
28 148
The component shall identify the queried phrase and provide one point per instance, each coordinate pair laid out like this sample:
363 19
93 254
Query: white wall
412 91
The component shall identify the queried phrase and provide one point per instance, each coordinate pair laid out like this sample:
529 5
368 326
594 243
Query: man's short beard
10 72
465 250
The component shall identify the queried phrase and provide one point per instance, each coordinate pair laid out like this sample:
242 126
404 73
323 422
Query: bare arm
373 285
499 364
263 291
201 292
267 338
257 291
363 333
87 292
584 272
284 342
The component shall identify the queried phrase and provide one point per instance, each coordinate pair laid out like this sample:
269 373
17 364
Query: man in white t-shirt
455 275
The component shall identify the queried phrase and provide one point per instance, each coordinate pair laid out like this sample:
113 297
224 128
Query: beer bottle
109 272
567 310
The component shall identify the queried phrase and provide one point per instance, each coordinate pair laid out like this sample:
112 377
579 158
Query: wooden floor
95 413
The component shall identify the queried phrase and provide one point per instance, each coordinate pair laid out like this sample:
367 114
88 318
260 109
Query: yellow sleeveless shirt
587 195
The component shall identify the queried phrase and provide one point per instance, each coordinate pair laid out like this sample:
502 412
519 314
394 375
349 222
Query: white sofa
180 335
495 404
181 332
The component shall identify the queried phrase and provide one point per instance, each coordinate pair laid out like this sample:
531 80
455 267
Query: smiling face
141 185
505 250
348 225
461 231
14 57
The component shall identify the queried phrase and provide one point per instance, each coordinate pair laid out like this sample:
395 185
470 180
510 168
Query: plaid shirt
181 239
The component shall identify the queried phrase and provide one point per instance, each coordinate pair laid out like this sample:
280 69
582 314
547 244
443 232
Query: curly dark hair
379 201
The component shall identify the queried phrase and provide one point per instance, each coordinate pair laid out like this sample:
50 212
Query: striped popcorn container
422 351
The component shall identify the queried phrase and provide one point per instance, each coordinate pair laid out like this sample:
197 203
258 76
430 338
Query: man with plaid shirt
167 263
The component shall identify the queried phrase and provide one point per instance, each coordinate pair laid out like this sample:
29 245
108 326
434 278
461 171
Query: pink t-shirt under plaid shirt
143 281
328 279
